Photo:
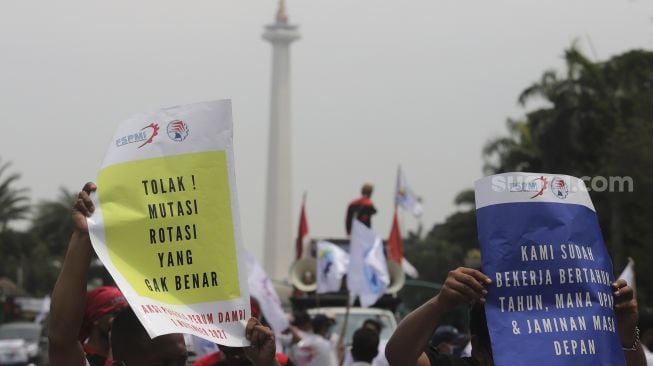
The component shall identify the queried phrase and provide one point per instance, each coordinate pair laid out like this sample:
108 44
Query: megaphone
397 278
303 274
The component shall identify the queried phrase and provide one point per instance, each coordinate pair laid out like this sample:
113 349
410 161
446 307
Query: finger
624 294
619 284
262 334
469 281
466 292
81 207
251 324
86 200
478 275
89 187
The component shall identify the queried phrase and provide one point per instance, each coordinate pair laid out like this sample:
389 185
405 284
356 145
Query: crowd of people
98 328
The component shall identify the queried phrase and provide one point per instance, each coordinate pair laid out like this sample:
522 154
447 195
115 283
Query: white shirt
648 354
313 350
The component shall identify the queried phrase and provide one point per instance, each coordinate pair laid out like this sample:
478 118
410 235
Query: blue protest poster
550 302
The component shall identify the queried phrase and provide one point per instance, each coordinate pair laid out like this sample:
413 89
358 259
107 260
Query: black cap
448 334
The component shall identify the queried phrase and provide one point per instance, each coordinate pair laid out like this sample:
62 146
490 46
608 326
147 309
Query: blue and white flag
332 264
405 197
367 275
550 302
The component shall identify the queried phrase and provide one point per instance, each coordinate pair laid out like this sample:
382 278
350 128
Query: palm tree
13 201
51 223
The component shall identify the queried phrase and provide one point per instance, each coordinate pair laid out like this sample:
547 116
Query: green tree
13 201
597 122
51 223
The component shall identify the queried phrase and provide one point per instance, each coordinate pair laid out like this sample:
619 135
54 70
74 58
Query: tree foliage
13 201
593 120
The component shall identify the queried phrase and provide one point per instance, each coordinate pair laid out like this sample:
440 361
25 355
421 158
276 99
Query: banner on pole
550 302
167 225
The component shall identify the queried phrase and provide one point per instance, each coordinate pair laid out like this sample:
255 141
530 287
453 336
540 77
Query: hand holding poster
551 301
167 222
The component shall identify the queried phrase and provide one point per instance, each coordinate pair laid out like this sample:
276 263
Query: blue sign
551 301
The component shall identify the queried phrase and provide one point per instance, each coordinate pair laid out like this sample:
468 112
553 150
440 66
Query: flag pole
344 323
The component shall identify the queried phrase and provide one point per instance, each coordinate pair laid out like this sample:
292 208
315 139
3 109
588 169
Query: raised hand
463 286
83 208
625 308
262 349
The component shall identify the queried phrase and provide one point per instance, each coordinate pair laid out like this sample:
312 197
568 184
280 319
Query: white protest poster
167 225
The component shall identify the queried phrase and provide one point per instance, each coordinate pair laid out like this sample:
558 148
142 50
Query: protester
380 360
448 340
365 346
130 343
235 356
312 346
361 209
102 304
408 344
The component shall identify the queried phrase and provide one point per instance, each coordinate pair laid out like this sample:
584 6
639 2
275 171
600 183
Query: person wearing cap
76 315
446 339
130 343
361 209
408 345
102 304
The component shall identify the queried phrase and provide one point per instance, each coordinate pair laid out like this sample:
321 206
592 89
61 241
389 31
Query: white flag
409 269
261 288
367 275
405 197
332 263
628 273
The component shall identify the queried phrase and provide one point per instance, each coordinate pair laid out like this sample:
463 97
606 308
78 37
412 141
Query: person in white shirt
312 347
380 359
365 347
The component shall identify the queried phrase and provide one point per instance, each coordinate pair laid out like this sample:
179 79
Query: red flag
395 246
302 232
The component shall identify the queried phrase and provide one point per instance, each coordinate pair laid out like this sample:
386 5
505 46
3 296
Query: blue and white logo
178 130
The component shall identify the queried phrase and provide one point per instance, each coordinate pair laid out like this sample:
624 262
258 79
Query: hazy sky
421 83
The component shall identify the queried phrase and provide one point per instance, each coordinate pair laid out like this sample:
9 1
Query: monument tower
278 241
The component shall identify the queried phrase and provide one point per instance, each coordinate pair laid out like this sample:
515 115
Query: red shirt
215 358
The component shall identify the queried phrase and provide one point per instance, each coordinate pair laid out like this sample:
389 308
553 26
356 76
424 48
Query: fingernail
488 280
616 293
482 300
484 292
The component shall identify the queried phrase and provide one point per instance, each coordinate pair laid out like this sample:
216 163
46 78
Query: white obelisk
278 243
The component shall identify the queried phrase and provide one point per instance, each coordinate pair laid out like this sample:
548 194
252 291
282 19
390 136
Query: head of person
235 356
367 190
646 327
131 346
365 345
102 304
302 321
447 339
373 324
322 325
480 336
